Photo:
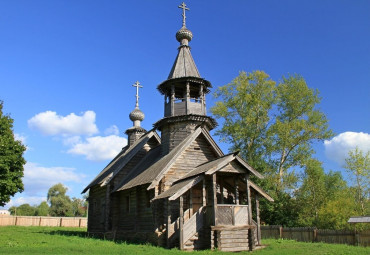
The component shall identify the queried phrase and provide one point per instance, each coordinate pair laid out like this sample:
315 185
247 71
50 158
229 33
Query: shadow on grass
69 233
84 234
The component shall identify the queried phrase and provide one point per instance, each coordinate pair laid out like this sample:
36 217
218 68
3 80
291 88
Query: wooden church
177 189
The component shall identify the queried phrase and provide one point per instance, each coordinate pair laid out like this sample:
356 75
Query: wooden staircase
192 229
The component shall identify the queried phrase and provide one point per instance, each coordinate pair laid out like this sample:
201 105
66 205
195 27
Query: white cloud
20 137
34 200
39 179
50 123
338 147
112 130
71 140
99 148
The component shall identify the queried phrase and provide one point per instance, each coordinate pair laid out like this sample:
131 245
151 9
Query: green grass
50 240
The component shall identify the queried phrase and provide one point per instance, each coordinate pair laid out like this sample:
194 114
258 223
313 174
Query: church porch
209 212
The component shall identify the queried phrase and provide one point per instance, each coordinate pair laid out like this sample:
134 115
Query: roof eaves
251 169
260 191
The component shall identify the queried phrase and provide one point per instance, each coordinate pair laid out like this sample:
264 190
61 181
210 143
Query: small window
197 148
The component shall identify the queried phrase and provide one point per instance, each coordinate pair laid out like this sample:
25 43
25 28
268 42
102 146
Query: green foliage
358 166
42 209
11 160
297 124
272 125
336 212
79 207
283 211
245 107
23 210
60 203
312 193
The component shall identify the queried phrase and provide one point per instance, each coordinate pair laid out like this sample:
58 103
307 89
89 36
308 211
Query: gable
233 167
197 153
154 173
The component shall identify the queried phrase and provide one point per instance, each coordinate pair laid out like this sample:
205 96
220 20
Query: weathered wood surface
350 237
194 224
231 215
44 221
231 238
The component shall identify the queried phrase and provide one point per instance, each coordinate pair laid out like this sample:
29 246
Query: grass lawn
51 240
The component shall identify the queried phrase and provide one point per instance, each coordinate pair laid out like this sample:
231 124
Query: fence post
281 232
16 219
314 235
60 223
40 221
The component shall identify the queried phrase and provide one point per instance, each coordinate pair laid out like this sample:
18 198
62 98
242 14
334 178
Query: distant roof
359 219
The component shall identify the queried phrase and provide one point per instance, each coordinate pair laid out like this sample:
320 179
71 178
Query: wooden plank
181 223
234 249
214 195
235 244
232 240
258 219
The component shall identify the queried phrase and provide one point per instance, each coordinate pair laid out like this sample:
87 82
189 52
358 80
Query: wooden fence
350 237
7 220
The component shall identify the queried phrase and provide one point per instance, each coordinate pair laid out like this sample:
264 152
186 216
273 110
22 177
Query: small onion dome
184 33
136 114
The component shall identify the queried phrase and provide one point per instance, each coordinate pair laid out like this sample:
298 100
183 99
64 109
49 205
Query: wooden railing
231 215
193 225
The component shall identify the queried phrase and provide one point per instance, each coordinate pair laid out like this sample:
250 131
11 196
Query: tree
42 209
11 160
245 108
60 203
23 210
78 207
297 125
312 193
336 212
358 165
273 126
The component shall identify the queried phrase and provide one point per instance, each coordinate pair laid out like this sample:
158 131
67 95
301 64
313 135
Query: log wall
230 238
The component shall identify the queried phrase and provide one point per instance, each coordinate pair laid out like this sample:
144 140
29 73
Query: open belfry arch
177 189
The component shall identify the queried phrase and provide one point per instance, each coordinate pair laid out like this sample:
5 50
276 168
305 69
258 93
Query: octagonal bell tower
184 95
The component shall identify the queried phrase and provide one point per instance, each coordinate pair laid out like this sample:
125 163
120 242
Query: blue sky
66 70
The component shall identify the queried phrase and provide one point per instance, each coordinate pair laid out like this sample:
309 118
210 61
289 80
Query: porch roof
180 188
215 165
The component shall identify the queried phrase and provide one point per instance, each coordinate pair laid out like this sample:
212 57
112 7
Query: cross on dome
184 8
137 85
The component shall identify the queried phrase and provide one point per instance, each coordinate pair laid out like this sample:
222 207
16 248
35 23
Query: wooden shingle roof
122 159
152 174
184 65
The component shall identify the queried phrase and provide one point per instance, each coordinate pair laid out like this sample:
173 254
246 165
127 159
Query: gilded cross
137 85
184 8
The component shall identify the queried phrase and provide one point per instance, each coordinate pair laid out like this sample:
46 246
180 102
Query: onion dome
184 36
136 115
